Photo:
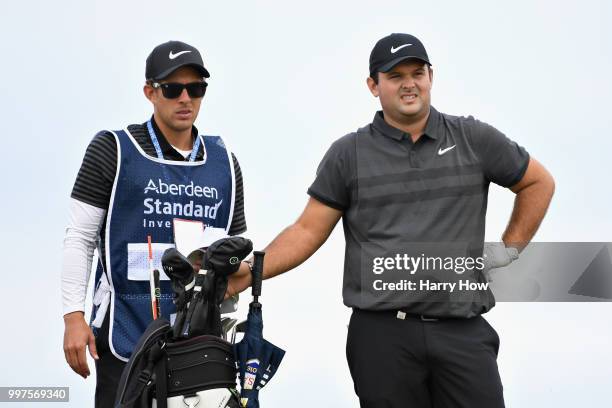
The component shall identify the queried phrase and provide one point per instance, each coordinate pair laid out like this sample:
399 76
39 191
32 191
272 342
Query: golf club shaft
152 279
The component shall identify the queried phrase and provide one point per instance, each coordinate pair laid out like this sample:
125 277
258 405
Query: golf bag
189 364
163 373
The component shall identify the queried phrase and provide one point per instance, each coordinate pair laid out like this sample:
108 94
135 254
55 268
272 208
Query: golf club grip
257 271
157 292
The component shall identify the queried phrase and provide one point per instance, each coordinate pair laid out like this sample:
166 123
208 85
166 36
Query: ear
372 87
431 74
149 92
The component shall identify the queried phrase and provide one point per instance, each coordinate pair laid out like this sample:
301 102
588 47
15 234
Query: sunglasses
173 90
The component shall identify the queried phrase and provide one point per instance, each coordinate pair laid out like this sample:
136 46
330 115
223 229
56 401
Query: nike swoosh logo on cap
173 56
442 151
394 50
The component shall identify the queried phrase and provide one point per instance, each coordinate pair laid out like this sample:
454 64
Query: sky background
287 79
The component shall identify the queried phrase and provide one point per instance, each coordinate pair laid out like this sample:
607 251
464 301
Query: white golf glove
497 255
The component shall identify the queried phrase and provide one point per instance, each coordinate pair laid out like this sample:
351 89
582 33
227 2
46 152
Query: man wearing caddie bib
131 185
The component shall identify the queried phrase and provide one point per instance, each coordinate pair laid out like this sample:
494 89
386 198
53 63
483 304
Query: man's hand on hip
497 255
77 336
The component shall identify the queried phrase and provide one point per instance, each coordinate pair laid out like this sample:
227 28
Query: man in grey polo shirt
415 179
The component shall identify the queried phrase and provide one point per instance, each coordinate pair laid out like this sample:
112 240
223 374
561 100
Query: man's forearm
300 240
293 245
530 206
290 248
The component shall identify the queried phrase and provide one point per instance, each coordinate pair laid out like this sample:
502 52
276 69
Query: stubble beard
178 125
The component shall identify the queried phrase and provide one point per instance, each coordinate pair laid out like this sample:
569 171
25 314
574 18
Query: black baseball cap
395 48
170 56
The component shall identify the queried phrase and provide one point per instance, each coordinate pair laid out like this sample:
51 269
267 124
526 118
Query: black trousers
413 363
108 369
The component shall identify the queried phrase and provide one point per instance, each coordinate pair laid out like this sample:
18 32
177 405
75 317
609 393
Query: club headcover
177 267
224 255
220 289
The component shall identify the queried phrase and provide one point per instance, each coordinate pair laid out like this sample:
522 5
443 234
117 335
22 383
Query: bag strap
144 378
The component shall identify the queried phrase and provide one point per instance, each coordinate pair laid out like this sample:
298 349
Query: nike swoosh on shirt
394 50
442 151
173 56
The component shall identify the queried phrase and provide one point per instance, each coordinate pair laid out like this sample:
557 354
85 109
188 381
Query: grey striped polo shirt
401 196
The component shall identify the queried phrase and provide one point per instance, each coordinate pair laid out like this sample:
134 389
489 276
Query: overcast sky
287 79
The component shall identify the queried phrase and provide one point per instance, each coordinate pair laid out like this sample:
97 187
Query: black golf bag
189 364
163 373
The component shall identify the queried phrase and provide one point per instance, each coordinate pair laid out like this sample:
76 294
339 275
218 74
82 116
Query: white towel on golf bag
216 398
101 300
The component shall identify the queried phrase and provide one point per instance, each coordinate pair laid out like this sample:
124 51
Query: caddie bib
148 193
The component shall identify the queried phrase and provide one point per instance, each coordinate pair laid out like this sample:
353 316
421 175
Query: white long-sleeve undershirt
82 235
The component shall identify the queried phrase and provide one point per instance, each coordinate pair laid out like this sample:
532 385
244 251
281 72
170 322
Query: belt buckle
429 319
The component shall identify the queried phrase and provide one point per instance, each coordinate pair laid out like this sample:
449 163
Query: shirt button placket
414 160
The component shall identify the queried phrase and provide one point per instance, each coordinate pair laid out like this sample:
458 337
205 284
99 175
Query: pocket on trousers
102 335
350 344
494 337
348 339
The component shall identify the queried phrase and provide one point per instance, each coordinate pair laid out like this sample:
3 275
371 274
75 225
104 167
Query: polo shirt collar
431 127
168 151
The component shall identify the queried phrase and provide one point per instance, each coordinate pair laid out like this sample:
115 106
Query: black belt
403 314
400 314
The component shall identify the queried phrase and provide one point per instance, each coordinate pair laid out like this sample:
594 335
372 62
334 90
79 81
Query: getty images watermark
413 265
433 272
